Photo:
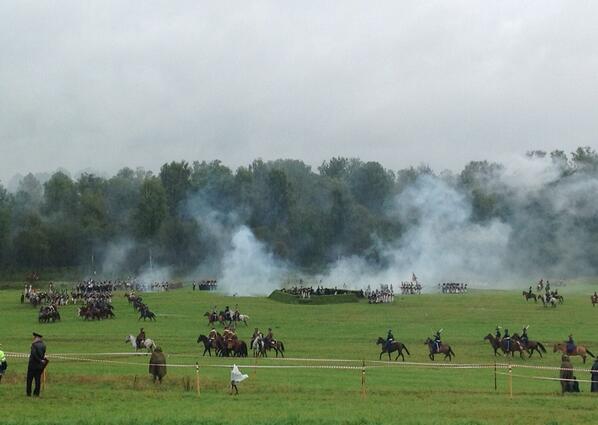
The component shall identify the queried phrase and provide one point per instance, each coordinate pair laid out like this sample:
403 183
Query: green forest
308 218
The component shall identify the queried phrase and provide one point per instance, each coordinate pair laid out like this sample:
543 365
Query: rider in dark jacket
570 344
524 337
437 340
389 340
506 340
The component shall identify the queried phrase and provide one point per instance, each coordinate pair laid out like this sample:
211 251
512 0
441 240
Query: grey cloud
110 84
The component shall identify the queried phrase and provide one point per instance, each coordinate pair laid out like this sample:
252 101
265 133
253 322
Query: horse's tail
590 353
541 347
406 350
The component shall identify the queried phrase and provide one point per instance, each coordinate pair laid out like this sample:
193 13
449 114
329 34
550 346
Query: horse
241 318
442 349
394 346
494 342
148 344
213 318
531 345
580 350
527 295
146 314
551 301
275 345
594 299
258 346
208 345
514 346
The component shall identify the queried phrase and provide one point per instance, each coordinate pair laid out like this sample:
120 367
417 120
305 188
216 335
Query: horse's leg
380 358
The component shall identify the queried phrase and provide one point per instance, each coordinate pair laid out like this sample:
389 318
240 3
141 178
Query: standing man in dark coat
157 366
566 374
594 384
37 363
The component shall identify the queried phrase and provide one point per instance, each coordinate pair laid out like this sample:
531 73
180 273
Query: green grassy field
81 392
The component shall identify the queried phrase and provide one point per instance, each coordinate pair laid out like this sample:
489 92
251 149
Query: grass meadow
81 392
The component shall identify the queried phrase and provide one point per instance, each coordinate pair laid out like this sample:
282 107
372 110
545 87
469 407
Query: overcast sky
107 84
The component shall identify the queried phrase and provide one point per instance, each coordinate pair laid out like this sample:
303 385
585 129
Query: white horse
241 318
148 344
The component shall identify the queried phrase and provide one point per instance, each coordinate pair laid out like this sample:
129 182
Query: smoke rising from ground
537 237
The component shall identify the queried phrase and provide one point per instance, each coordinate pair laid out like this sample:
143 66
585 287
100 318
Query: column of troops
453 288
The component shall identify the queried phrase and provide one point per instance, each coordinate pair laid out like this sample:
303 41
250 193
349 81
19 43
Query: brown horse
442 349
514 346
394 346
528 296
213 318
208 345
580 350
275 345
494 342
531 345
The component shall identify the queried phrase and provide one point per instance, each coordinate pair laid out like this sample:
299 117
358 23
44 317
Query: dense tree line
309 218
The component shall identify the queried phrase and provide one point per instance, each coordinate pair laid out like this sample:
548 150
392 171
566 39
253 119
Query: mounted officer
497 333
140 338
506 341
212 335
570 345
227 314
437 340
524 337
389 340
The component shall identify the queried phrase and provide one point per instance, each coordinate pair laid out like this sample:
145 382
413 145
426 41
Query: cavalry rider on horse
227 314
212 335
236 313
269 339
530 292
437 341
570 345
506 341
389 340
214 314
524 338
140 338
497 333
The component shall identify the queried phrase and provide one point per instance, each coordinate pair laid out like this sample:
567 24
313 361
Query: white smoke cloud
442 244
248 268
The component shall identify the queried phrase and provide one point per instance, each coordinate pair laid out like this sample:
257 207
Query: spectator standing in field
594 375
566 375
37 364
157 366
3 363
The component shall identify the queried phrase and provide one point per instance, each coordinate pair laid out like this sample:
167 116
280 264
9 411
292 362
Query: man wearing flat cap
37 363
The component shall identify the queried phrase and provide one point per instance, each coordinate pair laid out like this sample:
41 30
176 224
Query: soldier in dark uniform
140 338
497 333
524 337
506 341
37 363
389 340
227 314
570 345
437 340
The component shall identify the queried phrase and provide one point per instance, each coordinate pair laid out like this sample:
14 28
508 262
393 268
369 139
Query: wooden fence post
197 383
495 386
363 390
510 381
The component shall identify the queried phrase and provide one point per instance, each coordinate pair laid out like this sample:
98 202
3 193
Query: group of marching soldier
453 288
411 288
384 294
